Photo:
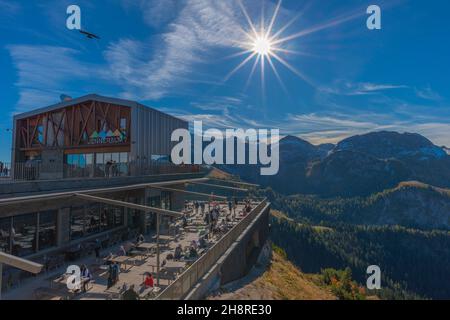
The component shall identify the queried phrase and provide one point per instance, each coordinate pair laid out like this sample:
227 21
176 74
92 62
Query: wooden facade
71 128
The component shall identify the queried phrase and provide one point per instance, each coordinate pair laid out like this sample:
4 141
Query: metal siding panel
134 138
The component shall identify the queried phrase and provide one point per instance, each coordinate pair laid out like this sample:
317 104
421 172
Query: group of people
112 169
191 251
211 218
199 205
130 293
4 170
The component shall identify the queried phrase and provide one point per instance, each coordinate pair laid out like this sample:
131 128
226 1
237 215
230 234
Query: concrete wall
238 260
52 166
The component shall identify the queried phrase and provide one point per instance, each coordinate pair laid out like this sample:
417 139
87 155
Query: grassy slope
280 281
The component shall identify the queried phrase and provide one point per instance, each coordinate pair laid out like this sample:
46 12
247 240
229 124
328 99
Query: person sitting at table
140 238
130 294
148 281
194 244
202 242
184 221
193 252
122 251
86 277
178 252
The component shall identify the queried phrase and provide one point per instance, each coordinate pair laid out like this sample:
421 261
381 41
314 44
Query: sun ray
294 70
274 17
295 52
266 44
255 64
238 54
327 25
247 17
277 75
243 63
290 22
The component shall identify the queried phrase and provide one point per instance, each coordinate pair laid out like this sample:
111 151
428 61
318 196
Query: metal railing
27 170
5 170
188 279
34 170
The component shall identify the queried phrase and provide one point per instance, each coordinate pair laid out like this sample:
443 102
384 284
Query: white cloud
347 88
199 26
43 72
428 94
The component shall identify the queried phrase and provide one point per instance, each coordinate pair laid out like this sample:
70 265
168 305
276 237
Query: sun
262 45
269 48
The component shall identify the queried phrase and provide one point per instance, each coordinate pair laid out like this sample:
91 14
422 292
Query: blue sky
176 54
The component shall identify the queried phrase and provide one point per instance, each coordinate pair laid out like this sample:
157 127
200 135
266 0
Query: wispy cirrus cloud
43 71
199 26
348 88
428 94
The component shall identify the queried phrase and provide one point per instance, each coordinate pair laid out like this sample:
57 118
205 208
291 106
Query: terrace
175 274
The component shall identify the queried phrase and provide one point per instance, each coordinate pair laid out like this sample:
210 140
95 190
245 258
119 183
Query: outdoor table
148 247
174 264
123 260
173 270
60 281
164 238
145 292
138 253
116 289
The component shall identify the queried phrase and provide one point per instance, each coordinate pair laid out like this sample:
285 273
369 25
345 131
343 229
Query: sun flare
267 44
262 45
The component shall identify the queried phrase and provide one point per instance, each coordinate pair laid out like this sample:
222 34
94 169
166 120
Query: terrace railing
34 170
180 288
5 170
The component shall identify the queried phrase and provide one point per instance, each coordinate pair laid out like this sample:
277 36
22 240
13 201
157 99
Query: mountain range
357 166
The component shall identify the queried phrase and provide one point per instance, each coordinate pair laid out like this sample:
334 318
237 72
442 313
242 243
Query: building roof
89 97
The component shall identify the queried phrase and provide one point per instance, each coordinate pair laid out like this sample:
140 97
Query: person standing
202 207
97 248
108 168
196 206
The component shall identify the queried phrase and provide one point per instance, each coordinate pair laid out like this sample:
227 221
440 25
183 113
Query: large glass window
134 216
80 160
47 229
123 124
114 216
93 221
76 223
24 233
166 202
5 233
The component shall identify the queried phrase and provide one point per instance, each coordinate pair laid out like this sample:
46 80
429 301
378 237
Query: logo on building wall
108 137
